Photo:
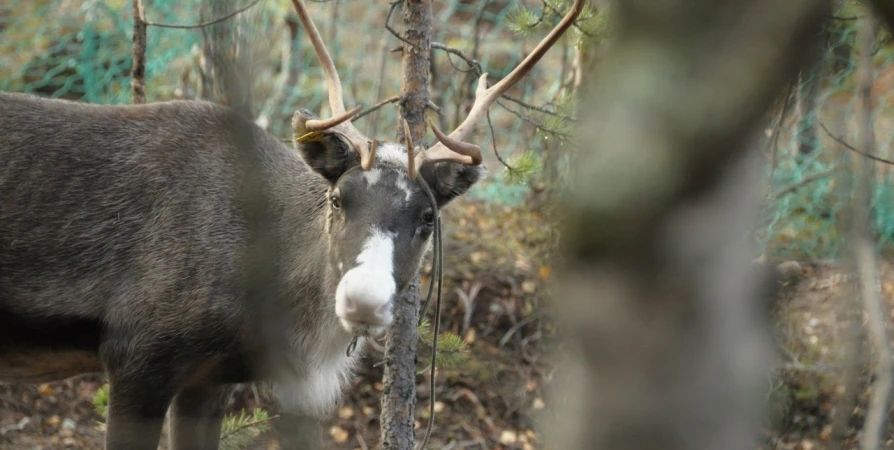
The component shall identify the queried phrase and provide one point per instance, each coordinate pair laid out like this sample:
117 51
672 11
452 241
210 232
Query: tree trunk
658 295
399 395
138 71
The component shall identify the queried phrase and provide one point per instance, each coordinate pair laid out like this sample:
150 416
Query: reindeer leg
137 407
195 417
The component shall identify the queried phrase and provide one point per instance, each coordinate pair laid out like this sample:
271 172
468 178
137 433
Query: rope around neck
437 278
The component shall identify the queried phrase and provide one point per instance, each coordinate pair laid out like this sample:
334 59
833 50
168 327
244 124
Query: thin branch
493 137
854 149
564 137
539 108
204 24
804 181
375 107
473 64
517 327
475 67
394 6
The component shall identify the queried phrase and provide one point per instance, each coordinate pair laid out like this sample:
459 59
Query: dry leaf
528 286
338 434
508 437
545 272
345 412
46 389
470 336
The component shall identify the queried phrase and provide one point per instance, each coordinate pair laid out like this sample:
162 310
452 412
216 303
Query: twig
864 254
517 327
138 71
806 180
493 138
539 108
564 137
854 149
375 107
475 66
204 24
362 442
472 62
392 30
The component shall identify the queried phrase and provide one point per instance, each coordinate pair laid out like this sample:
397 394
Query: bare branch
802 182
392 30
373 108
854 149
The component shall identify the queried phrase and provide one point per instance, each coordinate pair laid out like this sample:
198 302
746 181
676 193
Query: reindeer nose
360 310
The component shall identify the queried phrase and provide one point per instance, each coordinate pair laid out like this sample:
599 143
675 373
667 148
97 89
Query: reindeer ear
449 180
326 152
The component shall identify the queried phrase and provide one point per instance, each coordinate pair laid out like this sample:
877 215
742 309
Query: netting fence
812 140
81 50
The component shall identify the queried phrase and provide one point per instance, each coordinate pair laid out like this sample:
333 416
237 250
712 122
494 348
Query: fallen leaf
545 272
345 412
508 437
529 287
338 434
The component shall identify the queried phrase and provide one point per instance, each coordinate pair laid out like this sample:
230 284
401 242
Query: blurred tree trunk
399 394
658 293
226 63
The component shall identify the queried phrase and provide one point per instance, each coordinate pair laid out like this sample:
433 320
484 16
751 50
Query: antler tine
340 117
452 147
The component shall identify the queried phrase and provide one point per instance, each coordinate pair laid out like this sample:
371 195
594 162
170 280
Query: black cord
437 277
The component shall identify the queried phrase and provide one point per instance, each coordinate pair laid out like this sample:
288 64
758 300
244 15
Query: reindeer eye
428 218
335 200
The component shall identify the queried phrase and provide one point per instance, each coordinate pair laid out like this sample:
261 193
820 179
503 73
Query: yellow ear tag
309 137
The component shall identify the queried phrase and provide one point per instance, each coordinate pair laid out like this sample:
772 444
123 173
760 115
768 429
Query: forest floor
495 280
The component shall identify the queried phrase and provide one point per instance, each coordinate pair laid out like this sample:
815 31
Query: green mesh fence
810 150
81 50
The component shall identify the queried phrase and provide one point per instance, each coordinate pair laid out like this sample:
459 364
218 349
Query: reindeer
123 235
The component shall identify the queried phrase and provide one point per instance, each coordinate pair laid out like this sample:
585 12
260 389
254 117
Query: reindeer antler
452 147
341 119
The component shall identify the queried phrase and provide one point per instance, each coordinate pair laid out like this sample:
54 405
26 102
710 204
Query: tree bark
399 395
138 70
657 292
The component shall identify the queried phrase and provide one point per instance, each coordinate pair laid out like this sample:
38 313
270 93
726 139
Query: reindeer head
382 196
